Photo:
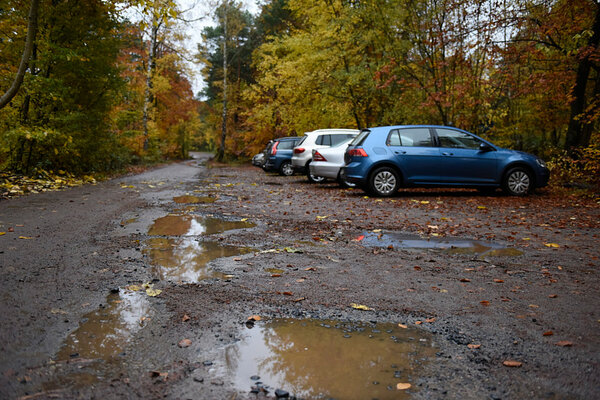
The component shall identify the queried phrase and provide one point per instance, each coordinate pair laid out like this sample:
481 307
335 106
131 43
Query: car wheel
517 182
384 182
286 169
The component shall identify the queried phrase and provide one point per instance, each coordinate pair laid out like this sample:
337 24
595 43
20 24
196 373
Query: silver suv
316 140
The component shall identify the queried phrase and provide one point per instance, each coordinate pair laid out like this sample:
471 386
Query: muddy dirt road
189 282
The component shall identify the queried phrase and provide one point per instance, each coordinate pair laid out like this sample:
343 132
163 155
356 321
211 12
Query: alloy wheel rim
287 169
518 182
384 182
316 178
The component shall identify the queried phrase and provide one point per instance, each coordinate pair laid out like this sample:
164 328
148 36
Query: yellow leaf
134 288
424 202
25 237
526 238
481 207
403 386
402 326
376 230
553 245
2 233
322 216
360 307
153 292
243 219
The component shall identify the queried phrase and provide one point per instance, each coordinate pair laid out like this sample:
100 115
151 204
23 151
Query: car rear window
410 137
358 140
301 140
337 139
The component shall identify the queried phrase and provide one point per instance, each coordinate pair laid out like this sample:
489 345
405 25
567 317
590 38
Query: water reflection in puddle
453 246
104 333
186 259
188 199
325 359
188 225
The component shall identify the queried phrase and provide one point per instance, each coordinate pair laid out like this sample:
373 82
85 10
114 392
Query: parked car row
380 160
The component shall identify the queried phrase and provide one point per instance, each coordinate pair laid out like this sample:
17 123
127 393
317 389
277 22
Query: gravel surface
526 293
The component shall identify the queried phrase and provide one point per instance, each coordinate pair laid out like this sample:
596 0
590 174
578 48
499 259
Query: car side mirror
485 147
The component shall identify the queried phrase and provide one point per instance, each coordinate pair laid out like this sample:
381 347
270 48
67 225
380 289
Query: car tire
517 182
286 169
313 178
384 182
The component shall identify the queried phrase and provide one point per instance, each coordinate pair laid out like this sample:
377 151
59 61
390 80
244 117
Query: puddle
187 199
186 259
103 333
187 225
326 359
452 246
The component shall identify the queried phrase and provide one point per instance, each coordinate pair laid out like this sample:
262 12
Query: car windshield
357 141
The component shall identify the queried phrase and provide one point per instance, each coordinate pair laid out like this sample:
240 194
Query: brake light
298 150
274 148
360 152
318 157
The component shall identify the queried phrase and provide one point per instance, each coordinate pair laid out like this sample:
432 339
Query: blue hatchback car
383 159
279 156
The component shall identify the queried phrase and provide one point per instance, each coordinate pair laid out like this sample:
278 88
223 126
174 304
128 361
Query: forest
88 91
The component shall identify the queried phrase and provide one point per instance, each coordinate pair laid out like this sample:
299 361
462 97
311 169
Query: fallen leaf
498 281
156 374
512 363
288 293
275 275
564 343
358 239
185 318
153 292
254 318
465 280
25 237
376 230
243 219
292 250
481 207
2 233
184 343
134 288
430 320
548 333
484 303
321 217
299 299
402 326
418 322
360 307
473 346
553 245
534 306
310 269
553 296
403 386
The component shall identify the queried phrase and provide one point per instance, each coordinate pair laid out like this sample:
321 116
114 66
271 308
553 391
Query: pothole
319 359
104 333
188 225
453 246
186 259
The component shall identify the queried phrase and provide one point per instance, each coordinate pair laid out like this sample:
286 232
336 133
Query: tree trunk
148 98
576 133
221 152
31 32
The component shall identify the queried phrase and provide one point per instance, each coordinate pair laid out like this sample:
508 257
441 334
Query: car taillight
357 152
318 157
298 150
274 148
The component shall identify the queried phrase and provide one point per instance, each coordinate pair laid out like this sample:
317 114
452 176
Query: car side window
458 140
410 137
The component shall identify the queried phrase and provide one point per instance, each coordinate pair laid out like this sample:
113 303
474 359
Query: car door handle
445 153
400 152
